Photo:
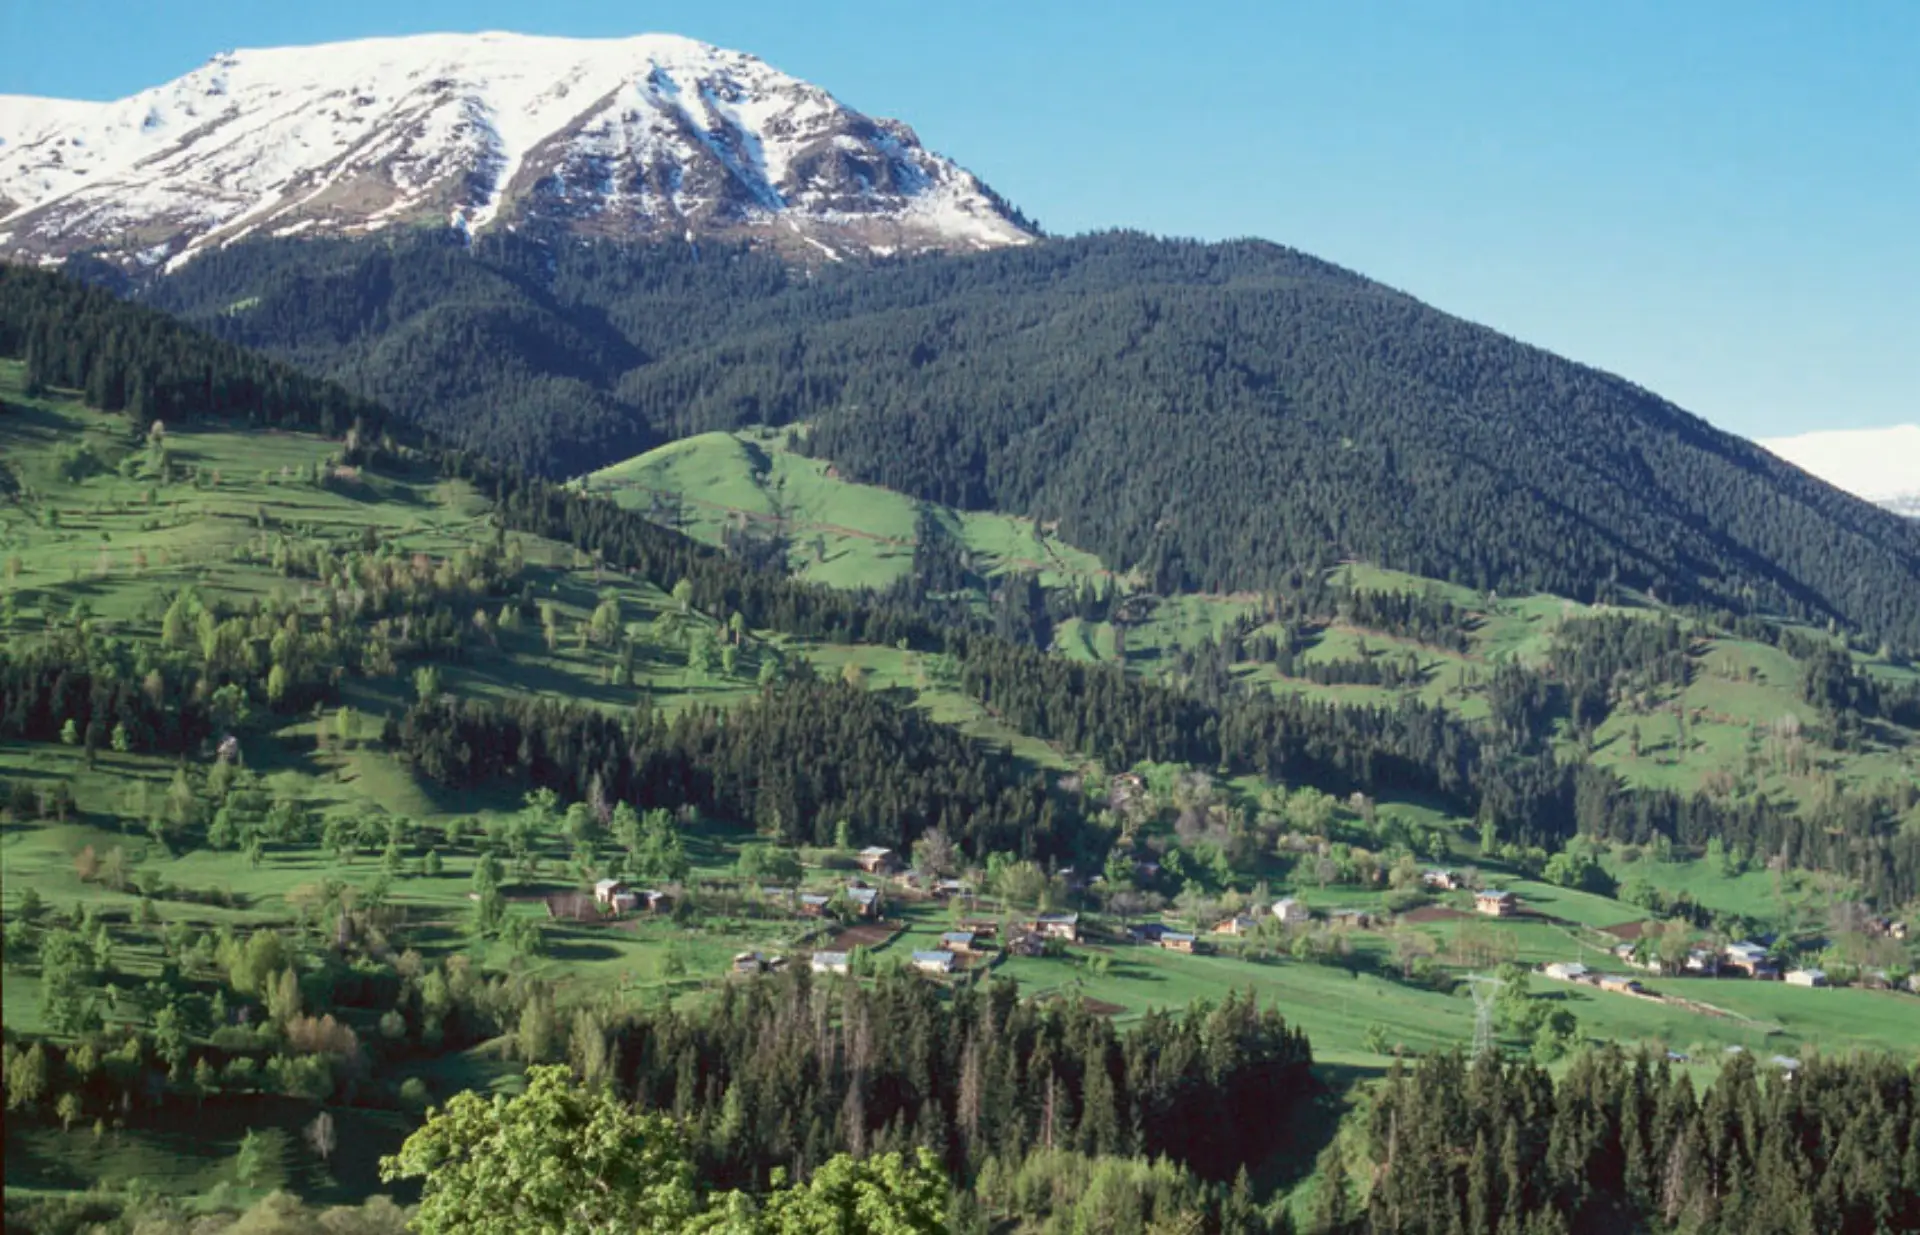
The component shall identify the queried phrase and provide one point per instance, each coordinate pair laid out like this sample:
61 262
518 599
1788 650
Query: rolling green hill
1741 695
837 533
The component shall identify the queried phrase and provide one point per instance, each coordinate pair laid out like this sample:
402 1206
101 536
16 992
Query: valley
109 532
593 639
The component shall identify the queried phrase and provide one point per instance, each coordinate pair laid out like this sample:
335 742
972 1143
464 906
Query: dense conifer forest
1627 1143
1211 414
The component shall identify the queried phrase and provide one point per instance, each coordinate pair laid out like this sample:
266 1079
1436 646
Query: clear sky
1719 199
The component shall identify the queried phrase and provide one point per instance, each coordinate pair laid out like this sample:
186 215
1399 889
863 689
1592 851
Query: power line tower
1486 998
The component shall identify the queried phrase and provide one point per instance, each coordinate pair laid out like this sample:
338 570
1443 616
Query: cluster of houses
1744 958
1288 911
878 860
616 898
867 901
1574 971
974 938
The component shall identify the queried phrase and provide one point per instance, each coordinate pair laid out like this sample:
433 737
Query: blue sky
1719 200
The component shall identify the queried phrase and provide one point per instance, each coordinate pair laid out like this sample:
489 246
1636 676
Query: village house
1356 919
957 941
1626 955
813 904
1886 928
1567 971
1177 941
877 860
1496 904
1806 977
1439 880
1620 984
1028 944
1059 926
1145 932
1291 912
933 962
1750 959
947 888
982 928
1239 924
831 962
1703 962
866 901
749 962
615 897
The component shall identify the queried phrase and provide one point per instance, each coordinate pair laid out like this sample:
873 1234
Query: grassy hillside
96 530
838 533
1742 693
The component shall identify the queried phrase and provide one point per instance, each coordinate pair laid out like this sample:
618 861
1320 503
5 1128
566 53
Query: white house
1567 971
604 890
933 962
830 962
876 859
1290 911
1806 977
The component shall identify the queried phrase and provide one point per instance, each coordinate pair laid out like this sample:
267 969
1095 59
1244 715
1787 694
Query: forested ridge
1211 413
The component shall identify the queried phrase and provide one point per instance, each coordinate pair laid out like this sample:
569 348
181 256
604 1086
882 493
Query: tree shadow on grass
579 950
1309 1127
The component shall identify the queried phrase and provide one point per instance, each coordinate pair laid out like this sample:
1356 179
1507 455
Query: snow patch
443 126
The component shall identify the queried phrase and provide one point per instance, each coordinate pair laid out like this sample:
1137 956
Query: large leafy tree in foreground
567 1160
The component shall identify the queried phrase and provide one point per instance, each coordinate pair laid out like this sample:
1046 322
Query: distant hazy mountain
1881 465
648 137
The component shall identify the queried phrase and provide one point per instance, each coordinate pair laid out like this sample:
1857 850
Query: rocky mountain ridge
653 137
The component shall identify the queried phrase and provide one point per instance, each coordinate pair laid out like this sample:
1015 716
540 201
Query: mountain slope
1211 415
1880 465
654 136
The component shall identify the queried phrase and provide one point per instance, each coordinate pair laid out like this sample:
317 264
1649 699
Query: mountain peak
653 136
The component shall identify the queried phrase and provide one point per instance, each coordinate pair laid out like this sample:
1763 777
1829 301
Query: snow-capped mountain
1881 465
654 136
